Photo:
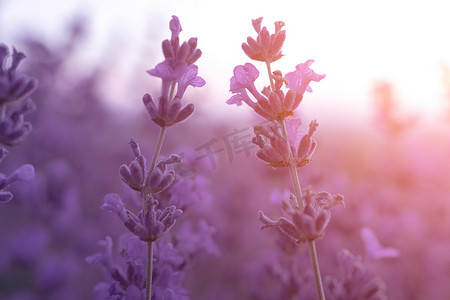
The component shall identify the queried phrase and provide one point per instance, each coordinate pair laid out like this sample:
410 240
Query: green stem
148 283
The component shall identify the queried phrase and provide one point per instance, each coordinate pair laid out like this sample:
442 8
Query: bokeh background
383 139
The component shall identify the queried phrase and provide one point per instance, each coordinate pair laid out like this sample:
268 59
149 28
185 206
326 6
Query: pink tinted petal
235 99
243 77
293 80
299 80
257 24
197 82
265 39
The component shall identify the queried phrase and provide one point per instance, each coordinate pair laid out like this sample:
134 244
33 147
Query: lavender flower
272 103
14 104
277 153
307 224
119 285
177 70
150 223
266 47
356 281
131 283
276 106
13 87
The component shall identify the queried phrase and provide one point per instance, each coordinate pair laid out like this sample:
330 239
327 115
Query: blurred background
383 139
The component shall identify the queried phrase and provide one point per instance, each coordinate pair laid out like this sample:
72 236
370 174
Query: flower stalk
298 194
307 213
156 217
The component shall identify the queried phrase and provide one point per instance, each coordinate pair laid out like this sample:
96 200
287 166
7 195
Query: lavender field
134 171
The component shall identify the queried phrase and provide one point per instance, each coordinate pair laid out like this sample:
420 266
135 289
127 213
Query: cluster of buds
266 47
276 152
307 223
15 90
13 86
357 281
150 223
272 103
177 70
139 179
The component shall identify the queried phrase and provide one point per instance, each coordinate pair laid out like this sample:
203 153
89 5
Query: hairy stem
148 282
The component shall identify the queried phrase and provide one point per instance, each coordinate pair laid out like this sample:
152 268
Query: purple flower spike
356 280
276 154
307 224
266 47
150 223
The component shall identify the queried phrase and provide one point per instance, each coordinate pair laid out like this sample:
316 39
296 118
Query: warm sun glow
356 43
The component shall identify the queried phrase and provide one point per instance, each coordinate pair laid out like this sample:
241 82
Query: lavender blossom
356 281
307 224
136 176
15 90
130 284
177 70
277 153
266 47
13 87
150 223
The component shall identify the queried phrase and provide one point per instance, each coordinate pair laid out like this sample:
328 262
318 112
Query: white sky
353 42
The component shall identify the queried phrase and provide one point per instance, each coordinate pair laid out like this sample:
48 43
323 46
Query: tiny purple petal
113 202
